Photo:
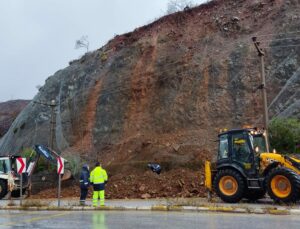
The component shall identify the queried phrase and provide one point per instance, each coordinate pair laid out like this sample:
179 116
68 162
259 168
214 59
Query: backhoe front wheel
229 185
283 185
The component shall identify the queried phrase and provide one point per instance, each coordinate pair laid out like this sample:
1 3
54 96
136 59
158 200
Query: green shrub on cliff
285 135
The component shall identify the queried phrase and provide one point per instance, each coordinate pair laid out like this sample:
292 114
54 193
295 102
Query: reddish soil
84 142
174 183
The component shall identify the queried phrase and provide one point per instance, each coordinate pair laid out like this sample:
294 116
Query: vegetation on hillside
285 135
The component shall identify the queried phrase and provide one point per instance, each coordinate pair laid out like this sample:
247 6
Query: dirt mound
181 176
173 183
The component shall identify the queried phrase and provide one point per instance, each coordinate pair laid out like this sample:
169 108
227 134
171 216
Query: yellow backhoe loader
245 170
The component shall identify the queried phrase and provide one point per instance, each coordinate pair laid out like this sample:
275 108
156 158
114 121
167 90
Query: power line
121 87
178 63
280 46
281 39
278 34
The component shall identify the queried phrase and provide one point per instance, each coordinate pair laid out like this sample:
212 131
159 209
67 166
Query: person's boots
82 203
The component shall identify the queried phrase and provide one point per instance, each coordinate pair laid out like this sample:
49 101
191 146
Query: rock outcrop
8 112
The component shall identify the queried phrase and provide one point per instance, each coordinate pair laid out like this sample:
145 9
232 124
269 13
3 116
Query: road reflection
99 220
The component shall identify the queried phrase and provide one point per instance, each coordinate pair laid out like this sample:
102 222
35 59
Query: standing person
98 179
84 183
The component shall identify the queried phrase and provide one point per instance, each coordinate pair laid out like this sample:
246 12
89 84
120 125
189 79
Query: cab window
223 147
260 142
4 166
241 149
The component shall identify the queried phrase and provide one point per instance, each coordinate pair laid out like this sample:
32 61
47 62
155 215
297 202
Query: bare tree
178 5
82 43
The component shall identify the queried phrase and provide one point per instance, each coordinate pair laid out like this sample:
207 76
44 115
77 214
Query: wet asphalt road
133 219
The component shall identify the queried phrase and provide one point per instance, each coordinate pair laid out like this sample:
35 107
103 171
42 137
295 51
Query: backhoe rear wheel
283 185
229 185
3 188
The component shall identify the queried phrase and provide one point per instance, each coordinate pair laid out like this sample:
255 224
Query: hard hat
85 166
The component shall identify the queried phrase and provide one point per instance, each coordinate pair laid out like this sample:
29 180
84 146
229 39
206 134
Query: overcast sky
38 36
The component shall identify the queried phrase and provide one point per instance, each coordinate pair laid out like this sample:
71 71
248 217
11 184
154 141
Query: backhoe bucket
51 156
67 175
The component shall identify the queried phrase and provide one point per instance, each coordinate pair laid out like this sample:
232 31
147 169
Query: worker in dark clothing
84 183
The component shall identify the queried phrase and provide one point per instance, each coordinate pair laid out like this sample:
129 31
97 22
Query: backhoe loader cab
245 170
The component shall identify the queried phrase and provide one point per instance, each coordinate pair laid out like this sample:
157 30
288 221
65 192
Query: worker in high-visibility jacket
98 179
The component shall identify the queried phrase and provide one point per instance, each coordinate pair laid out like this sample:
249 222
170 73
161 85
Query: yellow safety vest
98 176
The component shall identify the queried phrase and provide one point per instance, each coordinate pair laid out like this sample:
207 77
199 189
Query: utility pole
52 105
261 54
52 124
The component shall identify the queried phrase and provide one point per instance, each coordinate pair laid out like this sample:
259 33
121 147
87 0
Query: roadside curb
166 208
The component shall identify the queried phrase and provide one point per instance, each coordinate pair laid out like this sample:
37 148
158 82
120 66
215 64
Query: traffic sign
21 165
21 168
60 170
60 165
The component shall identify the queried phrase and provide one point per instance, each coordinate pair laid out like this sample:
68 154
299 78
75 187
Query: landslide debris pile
162 92
174 183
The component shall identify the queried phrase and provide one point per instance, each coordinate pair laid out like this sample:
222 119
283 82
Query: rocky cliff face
162 92
8 112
